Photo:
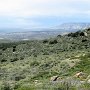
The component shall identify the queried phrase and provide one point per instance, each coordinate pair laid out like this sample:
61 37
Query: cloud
28 13
43 7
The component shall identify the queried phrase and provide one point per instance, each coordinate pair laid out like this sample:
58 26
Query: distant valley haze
38 19
17 34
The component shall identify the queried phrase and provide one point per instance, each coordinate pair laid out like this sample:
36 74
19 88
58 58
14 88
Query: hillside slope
29 65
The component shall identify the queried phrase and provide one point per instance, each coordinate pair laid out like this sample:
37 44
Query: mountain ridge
44 33
73 26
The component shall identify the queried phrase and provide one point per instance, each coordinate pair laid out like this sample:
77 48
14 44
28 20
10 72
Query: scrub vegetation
61 63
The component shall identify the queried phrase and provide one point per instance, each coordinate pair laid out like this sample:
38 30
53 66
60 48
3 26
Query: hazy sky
42 13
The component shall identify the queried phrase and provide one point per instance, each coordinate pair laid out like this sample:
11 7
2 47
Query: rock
54 78
59 78
38 84
36 81
83 54
85 34
79 75
88 81
82 82
88 77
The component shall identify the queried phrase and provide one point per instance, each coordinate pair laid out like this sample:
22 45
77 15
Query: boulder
36 81
54 78
79 75
85 34
88 81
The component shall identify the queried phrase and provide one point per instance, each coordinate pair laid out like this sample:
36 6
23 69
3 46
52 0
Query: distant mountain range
44 33
73 26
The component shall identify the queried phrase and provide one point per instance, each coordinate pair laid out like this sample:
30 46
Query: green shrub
14 59
45 41
53 42
3 60
6 86
26 88
83 65
34 63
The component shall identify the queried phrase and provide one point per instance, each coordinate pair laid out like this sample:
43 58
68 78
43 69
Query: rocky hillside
61 63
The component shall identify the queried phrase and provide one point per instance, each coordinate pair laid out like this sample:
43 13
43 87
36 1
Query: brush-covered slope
29 65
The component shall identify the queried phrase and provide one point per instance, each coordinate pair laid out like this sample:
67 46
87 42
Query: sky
28 14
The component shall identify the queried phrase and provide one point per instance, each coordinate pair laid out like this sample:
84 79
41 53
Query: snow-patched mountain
73 26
